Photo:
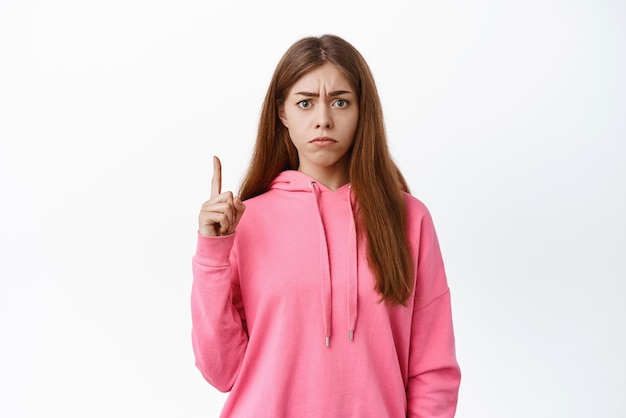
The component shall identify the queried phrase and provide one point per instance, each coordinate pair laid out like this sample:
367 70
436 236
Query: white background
507 118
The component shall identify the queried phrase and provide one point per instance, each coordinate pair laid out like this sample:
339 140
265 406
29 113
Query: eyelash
300 103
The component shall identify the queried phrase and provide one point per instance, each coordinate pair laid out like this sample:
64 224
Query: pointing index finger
216 182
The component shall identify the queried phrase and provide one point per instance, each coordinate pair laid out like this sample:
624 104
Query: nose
324 118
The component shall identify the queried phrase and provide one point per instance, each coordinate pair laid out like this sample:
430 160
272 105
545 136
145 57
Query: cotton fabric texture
286 318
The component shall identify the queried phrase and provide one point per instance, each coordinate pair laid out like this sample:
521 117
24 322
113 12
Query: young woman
324 295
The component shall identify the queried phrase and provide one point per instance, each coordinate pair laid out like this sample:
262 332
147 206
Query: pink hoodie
285 315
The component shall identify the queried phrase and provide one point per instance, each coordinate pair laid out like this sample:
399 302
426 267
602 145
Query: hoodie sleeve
218 335
434 374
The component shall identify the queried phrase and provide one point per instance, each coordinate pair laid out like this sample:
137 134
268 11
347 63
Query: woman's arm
218 334
434 374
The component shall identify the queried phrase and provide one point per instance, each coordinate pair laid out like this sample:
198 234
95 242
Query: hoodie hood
295 181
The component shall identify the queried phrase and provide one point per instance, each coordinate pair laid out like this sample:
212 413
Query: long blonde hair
376 181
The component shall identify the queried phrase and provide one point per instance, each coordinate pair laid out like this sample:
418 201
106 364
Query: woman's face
321 113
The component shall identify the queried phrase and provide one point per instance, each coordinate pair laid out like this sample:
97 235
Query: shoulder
270 206
261 200
418 217
415 208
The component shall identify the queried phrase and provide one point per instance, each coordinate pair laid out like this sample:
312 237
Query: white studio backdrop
507 118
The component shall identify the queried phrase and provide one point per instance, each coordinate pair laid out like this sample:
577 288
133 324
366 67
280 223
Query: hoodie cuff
214 251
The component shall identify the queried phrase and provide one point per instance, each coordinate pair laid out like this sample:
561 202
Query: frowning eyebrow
331 94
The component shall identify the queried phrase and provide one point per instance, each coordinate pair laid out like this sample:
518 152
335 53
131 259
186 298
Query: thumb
239 209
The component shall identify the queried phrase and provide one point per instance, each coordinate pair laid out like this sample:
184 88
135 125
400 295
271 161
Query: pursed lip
322 140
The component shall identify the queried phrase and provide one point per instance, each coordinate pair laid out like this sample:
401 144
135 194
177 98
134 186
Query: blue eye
305 104
341 103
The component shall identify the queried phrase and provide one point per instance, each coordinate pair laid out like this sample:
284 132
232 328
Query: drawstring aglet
327 341
351 336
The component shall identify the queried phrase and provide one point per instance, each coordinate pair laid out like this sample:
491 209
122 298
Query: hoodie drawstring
325 266
326 284
353 271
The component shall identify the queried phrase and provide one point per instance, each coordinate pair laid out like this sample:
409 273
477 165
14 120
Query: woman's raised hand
221 213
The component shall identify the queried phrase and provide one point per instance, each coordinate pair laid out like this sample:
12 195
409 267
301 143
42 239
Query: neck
331 177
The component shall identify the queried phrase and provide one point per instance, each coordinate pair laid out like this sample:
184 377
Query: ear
281 116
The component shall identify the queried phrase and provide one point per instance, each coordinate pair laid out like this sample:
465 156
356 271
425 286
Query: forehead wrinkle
316 84
331 94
